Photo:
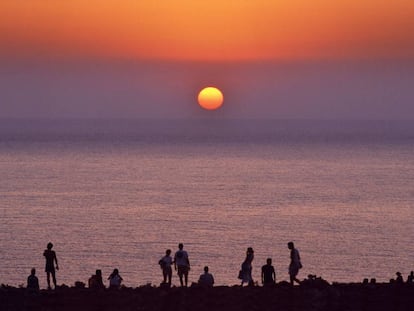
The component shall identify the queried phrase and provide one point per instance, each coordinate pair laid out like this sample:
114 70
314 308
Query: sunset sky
102 58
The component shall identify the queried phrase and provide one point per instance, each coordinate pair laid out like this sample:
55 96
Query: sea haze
118 193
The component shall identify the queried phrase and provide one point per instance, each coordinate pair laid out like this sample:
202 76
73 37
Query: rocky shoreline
307 296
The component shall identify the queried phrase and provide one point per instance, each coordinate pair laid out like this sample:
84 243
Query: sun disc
210 98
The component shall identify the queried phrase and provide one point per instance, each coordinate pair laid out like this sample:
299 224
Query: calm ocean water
118 193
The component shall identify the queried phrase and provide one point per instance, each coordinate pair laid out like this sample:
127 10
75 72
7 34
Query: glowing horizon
189 30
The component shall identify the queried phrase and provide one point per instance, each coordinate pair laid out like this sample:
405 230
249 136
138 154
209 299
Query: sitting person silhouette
115 280
95 281
206 279
33 281
399 278
410 278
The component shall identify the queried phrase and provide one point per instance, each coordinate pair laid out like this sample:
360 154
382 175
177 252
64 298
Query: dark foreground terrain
281 297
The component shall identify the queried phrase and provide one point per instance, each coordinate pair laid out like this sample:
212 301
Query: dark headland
316 296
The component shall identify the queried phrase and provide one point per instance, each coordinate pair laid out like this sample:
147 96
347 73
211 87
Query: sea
119 193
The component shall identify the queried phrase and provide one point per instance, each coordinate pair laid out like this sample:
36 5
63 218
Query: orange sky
208 30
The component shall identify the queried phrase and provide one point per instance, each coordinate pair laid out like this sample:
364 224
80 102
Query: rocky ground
307 296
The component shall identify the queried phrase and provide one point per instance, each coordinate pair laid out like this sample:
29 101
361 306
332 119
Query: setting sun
210 98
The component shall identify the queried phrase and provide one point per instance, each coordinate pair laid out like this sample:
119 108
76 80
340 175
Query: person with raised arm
51 259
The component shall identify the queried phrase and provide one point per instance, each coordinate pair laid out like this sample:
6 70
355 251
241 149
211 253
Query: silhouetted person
206 279
33 281
95 281
246 267
115 280
295 263
165 264
410 278
51 259
268 273
399 278
182 264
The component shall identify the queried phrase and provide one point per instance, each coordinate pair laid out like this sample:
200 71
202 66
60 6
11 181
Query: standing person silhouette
165 264
51 259
295 263
246 267
182 264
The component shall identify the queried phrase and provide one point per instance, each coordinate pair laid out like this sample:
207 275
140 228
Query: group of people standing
181 264
268 271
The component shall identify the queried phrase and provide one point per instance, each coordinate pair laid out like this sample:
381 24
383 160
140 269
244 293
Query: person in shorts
51 259
182 264
165 264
